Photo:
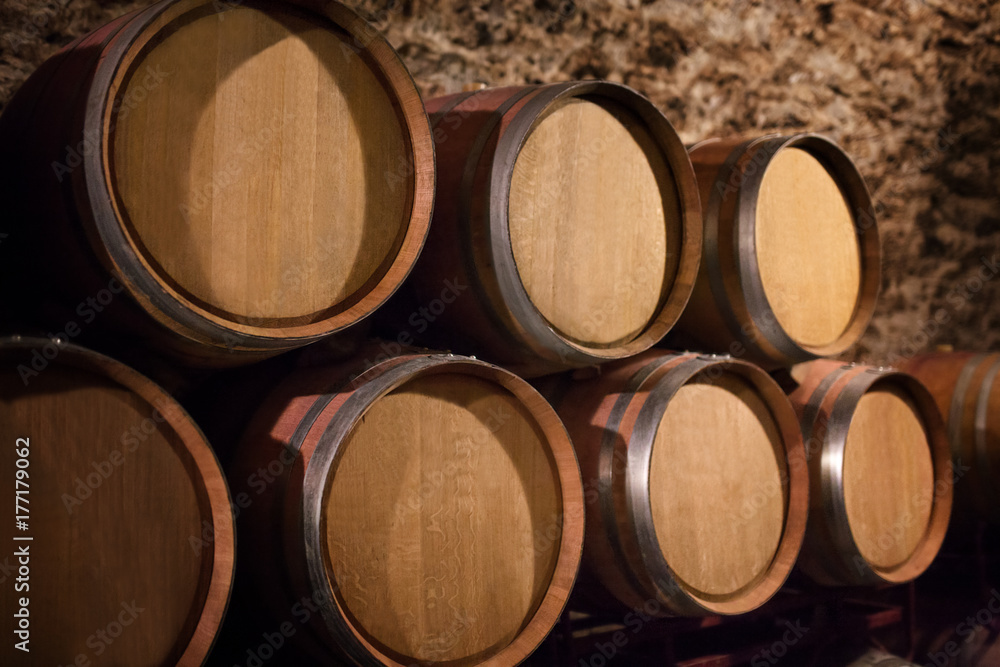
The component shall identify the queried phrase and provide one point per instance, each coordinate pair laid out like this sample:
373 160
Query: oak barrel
430 508
791 263
231 179
567 229
880 474
684 456
125 553
966 387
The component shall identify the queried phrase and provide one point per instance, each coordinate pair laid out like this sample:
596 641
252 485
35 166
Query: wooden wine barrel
125 555
232 179
880 474
966 389
695 481
430 508
567 231
791 264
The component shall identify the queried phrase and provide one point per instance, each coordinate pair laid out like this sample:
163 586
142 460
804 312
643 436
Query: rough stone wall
910 88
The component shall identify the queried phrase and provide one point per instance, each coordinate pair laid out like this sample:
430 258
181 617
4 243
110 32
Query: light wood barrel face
261 168
716 485
443 520
888 477
807 249
594 221
113 514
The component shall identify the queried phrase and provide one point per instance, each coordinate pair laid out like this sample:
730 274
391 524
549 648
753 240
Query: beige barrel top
595 221
269 166
888 477
717 479
431 519
807 248
446 503
129 521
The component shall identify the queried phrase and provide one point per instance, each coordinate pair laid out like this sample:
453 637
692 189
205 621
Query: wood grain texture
593 214
255 177
432 514
718 451
120 501
807 248
888 475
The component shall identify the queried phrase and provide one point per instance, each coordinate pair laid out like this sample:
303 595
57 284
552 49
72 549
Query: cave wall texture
910 88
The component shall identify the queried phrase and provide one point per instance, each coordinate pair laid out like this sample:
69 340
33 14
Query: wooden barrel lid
807 248
444 518
261 164
716 481
888 477
132 534
594 221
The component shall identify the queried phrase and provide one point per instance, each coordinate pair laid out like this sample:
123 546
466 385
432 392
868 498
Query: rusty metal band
465 193
710 255
832 476
810 416
745 250
640 453
606 472
810 413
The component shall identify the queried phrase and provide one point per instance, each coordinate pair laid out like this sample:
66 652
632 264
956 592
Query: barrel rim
846 555
677 594
322 462
752 308
213 491
541 335
143 282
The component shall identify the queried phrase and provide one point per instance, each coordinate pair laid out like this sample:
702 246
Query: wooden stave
829 394
213 489
470 239
627 400
962 384
84 213
729 312
336 397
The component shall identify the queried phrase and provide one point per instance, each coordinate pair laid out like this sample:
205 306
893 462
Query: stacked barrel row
397 504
